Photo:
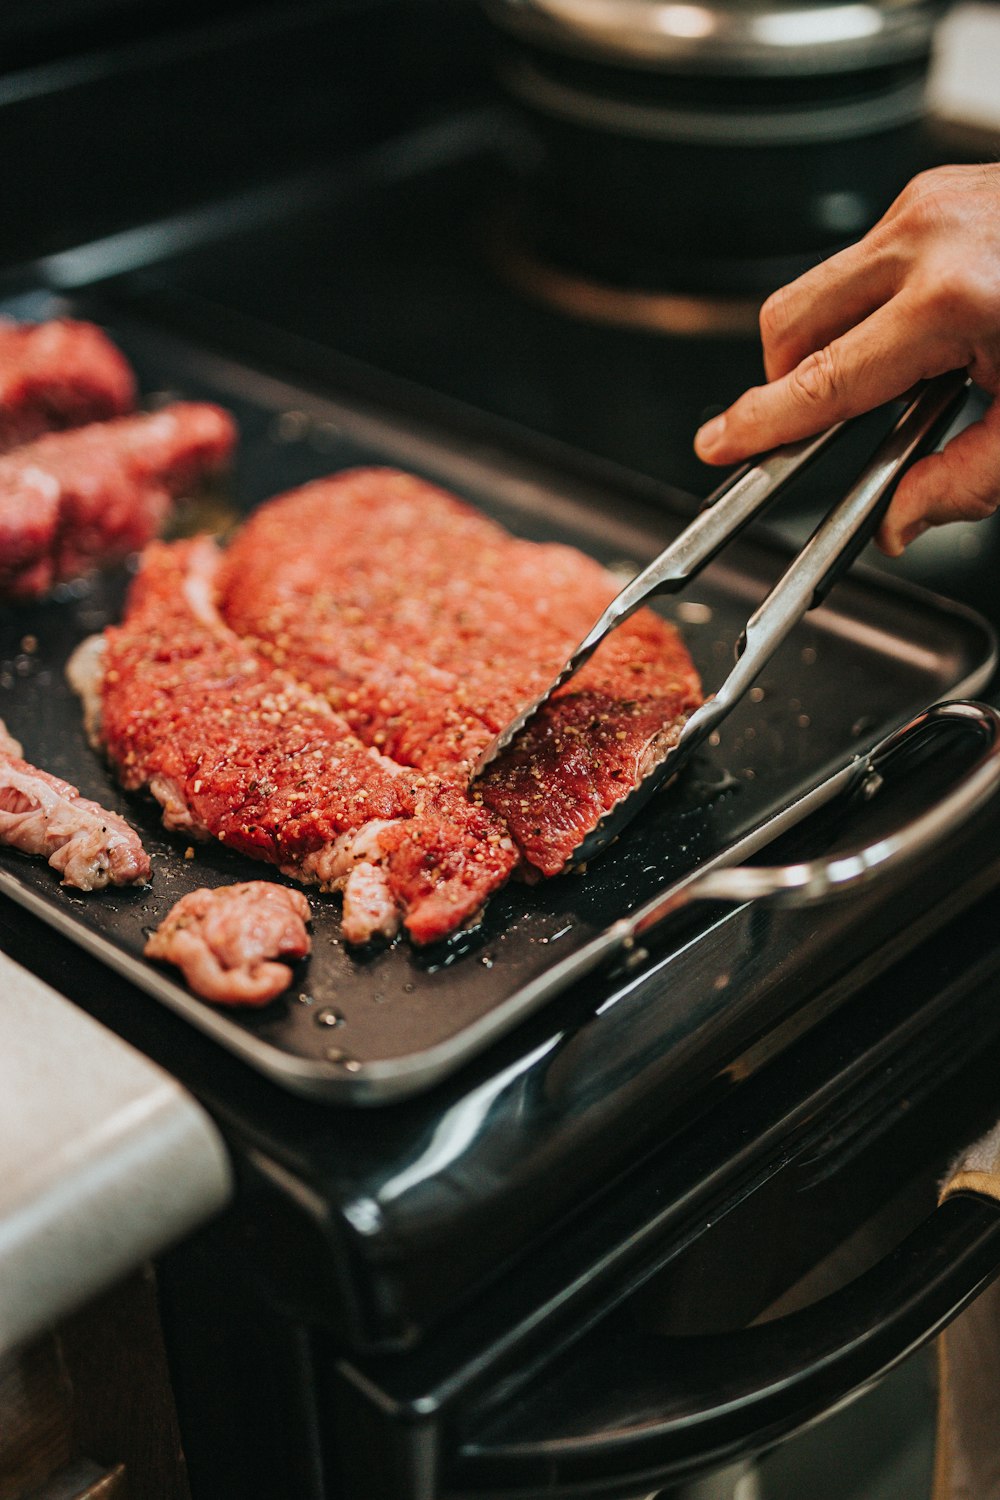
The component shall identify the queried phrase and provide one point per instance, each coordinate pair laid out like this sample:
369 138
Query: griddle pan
368 1027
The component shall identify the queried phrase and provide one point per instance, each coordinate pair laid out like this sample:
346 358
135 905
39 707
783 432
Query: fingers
961 483
824 303
870 364
848 287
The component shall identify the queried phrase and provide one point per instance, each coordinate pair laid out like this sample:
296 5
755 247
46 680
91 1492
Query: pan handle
817 879
625 1411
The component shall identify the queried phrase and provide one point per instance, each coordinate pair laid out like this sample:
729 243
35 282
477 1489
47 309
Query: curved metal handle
815 880
625 1408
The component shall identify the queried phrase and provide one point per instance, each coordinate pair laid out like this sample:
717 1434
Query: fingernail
709 437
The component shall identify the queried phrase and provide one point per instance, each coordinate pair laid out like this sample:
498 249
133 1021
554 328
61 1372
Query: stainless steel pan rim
816 880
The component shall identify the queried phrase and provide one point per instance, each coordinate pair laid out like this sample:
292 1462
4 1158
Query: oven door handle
624 1410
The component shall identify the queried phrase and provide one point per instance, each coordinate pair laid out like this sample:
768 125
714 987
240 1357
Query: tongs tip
505 737
510 731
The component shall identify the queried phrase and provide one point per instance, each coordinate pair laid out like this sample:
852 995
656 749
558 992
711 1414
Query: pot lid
766 36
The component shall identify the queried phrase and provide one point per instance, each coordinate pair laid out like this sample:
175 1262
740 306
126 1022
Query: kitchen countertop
104 1158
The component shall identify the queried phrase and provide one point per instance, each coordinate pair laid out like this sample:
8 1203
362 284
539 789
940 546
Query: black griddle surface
374 1025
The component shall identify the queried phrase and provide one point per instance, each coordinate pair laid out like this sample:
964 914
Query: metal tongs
828 553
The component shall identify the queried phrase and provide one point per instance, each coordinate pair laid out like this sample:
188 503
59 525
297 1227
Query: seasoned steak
423 622
89 846
593 742
74 499
226 941
427 626
58 374
317 698
236 748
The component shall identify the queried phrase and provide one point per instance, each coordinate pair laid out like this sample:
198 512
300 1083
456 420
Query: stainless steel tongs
831 549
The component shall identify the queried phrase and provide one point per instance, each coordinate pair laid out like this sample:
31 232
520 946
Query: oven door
627 1410
632 1404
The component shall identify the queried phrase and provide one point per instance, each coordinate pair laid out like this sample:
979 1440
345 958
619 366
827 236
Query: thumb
961 483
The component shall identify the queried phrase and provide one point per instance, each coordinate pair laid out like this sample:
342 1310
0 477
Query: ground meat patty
58 374
89 846
427 626
226 941
234 747
74 499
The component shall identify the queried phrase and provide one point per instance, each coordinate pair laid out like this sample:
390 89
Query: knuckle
957 299
972 506
984 368
979 501
967 481
927 181
816 381
949 290
774 316
926 203
926 217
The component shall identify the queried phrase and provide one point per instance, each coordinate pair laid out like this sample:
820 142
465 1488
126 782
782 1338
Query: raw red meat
318 698
89 846
422 621
593 742
58 374
74 499
427 626
226 941
235 747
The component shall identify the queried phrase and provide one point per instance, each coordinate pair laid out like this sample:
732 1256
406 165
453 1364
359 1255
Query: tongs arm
737 501
742 496
832 547
830 550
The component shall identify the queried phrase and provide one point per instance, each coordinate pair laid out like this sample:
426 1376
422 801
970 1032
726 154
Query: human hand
919 295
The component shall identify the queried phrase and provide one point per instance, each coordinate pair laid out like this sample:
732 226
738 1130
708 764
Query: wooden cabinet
86 1411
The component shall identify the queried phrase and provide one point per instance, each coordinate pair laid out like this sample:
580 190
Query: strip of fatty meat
227 941
58 374
41 814
234 747
427 626
73 500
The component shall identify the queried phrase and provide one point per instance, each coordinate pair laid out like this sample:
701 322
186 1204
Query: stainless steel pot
717 146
